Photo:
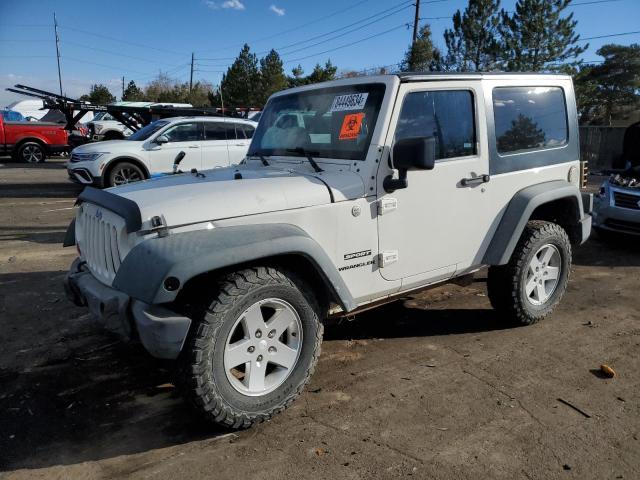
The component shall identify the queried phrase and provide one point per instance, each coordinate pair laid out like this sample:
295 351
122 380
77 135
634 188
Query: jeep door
183 137
215 148
438 224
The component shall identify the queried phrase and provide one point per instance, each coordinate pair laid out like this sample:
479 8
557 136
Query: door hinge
386 205
387 258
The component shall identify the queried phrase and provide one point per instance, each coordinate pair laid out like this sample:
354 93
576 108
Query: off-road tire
506 283
204 380
111 180
31 152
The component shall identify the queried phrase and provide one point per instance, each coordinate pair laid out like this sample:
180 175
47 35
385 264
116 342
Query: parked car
30 141
617 204
209 142
410 181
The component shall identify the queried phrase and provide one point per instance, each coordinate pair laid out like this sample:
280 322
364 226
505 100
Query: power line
402 6
608 36
346 45
111 52
140 45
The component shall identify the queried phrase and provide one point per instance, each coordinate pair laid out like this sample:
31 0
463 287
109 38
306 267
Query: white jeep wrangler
395 183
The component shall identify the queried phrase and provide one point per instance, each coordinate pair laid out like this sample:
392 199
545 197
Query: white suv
208 142
392 184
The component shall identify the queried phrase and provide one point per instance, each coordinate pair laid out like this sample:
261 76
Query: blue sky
102 41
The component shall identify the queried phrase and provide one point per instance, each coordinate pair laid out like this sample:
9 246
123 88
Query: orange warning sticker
351 126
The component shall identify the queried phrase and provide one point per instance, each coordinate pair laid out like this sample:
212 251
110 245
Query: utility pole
122 98
191 79
55 28
415 22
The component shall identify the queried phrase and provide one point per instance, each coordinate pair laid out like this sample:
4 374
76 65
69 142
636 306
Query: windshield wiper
307 154
262 156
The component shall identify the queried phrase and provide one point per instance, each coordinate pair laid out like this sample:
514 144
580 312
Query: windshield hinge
386 205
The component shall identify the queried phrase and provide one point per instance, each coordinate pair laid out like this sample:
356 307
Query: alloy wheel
543 274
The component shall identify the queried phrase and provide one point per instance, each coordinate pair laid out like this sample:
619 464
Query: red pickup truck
31 141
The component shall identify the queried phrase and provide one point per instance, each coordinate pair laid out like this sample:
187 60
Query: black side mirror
415 153
177 160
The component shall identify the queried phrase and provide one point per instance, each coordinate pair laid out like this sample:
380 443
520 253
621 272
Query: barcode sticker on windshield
354 101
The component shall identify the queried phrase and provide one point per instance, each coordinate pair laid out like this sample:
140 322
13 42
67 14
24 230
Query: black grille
623 225
626 200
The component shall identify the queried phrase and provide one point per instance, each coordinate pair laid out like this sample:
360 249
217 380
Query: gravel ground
433 386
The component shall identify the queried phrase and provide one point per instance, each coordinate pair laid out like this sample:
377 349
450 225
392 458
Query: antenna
55 28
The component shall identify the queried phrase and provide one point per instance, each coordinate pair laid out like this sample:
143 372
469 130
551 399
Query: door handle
194 146
239 145
467 182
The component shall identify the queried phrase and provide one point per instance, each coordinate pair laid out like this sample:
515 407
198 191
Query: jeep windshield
335 122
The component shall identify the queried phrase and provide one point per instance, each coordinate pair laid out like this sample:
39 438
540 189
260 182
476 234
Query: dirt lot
430 387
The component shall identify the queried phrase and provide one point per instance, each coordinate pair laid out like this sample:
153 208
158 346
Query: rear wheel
532 284
31 152
253 350
124 172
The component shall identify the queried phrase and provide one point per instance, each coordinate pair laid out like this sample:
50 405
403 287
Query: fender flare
185 255
518 212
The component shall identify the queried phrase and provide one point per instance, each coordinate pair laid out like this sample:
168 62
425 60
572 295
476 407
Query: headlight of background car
86 157
97 128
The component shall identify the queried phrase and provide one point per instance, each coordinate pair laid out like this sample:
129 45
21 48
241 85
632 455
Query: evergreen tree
472 44
241 84
536 37
322 74
611 89
272 77
132 93
99 94
422 55
524 133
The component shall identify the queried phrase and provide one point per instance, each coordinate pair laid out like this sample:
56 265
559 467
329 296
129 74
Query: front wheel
532 284
124 172
254 349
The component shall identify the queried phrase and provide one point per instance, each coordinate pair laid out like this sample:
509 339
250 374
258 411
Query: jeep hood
237 191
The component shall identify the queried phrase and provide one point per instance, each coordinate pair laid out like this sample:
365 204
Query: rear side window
446 115
214 131
529 118
231 131
244 131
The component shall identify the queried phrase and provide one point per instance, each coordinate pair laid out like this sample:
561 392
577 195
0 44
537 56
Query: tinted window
243 131
183 132
214 131
147 131
445 115
231 131
529 118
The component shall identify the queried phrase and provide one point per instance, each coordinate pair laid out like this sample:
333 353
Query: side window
248 131
529 118
184 132
239 131
231 131
448 116
214 131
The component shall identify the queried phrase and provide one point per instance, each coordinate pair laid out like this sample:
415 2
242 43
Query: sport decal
354 101
351 126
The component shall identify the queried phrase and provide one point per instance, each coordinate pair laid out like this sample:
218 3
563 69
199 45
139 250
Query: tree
322 74
524 133
99 94
132 93
472 44
536 37
422 55
241 83
612 88
272 77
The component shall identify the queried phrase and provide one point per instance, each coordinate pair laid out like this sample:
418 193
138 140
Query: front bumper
616 219
161 331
